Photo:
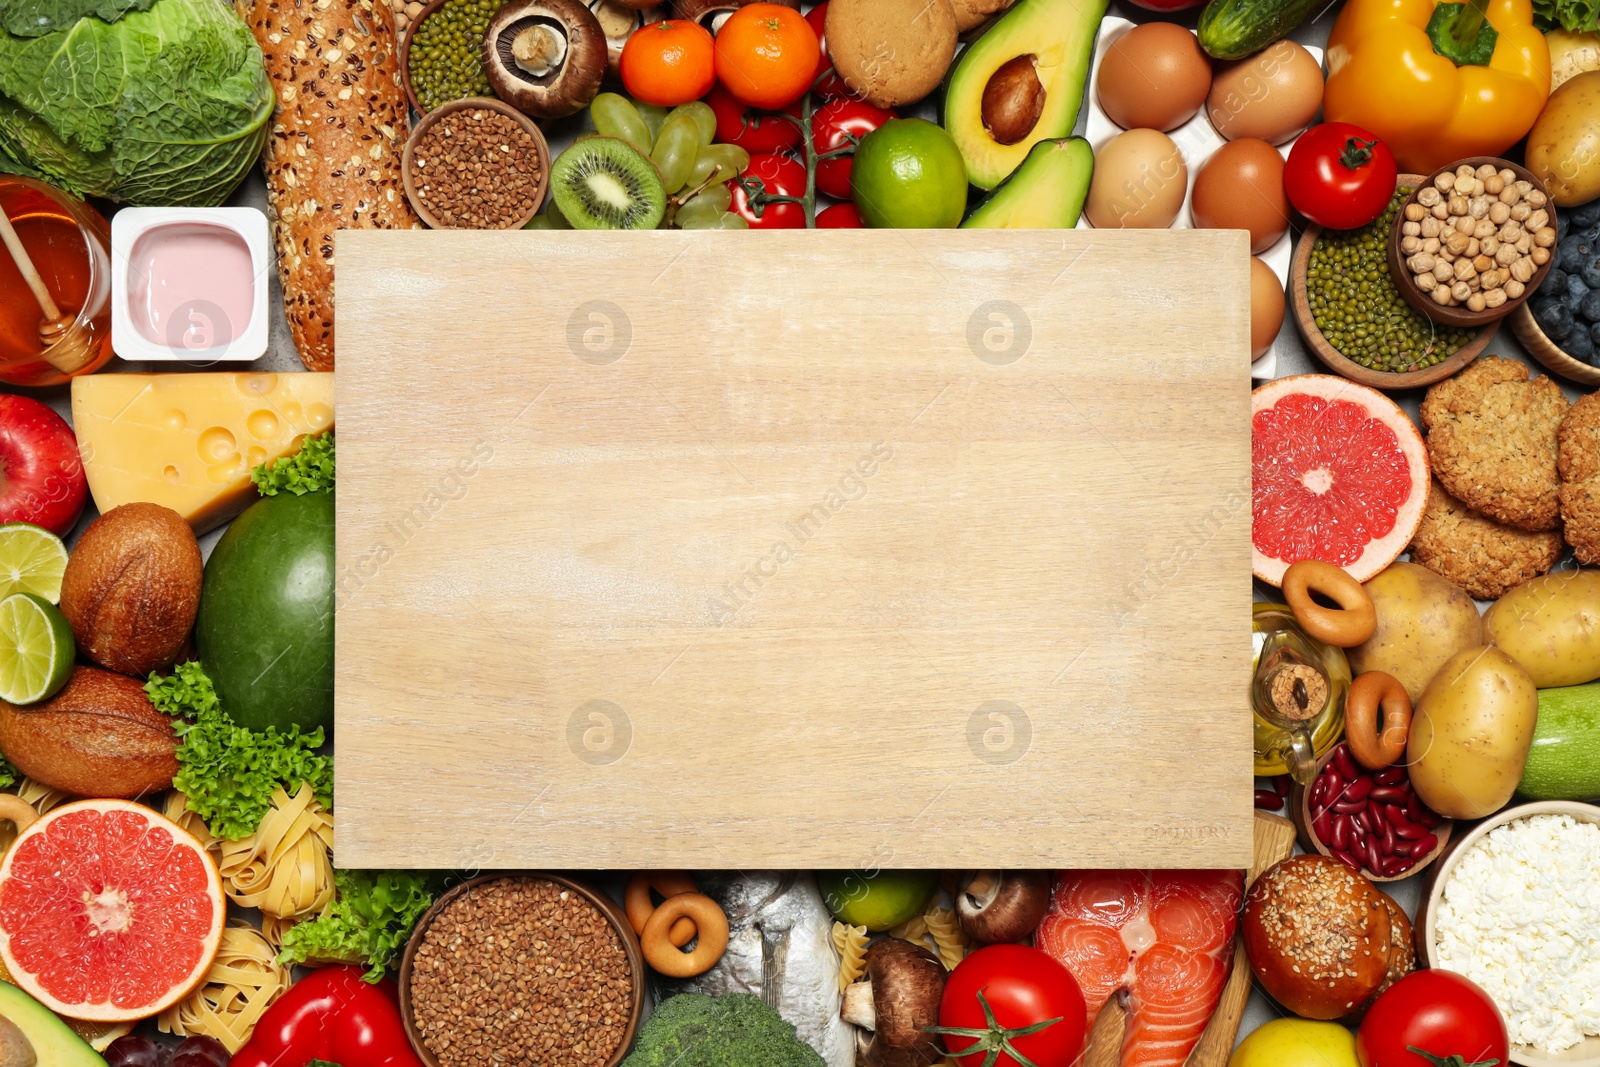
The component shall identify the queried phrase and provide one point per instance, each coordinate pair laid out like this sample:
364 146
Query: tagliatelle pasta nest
243 982
177 810
285 868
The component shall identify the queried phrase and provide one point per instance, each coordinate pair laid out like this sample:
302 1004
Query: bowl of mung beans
522 967
441 53
1353 317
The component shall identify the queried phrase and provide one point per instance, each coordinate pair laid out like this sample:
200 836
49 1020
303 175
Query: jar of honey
1297 694
69 243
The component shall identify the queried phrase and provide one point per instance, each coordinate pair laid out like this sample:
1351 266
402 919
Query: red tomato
779 176
834 125
1440 1012
757 132
1023 987
845 216
1339 176
834 86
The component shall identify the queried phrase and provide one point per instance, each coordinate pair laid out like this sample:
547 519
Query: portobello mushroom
1003 907
546 58
895 1003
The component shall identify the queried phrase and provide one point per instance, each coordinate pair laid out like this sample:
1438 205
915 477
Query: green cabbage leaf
143 101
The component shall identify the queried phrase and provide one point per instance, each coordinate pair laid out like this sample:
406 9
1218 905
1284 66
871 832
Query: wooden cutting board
829 549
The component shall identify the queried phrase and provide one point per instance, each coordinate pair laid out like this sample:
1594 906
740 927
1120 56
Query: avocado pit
1013 100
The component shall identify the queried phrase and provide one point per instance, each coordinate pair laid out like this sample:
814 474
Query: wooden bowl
405 50
1587 1052
1300 813
1460 316
1546 351
541 148
1335 361
613 913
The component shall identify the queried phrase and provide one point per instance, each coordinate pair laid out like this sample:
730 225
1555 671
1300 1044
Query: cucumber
1233 29
1564 762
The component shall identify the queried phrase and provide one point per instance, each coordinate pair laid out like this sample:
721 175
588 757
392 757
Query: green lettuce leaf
1576 16
9 775
167 105
309 470
229 772
369 920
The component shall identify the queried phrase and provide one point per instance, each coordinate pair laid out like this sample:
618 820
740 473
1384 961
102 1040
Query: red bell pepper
331 1015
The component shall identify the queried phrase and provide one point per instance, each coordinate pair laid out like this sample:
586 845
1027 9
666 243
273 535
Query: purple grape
200 1052
134 1050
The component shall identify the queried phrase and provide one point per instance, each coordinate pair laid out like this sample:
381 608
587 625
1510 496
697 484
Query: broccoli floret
737 1030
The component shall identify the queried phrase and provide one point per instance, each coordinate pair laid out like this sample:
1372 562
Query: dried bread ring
1369 694
1348 625
711 927
636 901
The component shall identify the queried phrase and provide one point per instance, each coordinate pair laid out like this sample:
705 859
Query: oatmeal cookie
1475 552
1492 441
1579 463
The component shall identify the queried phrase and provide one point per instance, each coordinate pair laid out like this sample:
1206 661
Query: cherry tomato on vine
777 176
845 216
837 124
1339 176
1038 1009
1443 1015
834 86
756 131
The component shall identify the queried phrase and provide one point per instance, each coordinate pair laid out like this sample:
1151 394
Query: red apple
41 477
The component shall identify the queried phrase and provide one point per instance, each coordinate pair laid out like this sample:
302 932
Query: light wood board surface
829 549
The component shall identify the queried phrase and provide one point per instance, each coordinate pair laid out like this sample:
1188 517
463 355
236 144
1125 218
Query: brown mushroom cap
546 58
906 982
713 13
1002 907
619 21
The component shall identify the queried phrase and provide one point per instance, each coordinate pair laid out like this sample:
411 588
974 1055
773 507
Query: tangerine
767 55
669 63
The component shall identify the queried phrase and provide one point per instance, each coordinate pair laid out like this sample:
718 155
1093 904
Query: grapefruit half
1339 474
108 911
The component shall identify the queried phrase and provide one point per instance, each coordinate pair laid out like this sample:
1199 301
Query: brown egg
1154 76
1241 188
1266 308
1272 95
1138 184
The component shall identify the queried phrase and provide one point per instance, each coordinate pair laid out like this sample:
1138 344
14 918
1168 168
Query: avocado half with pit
1046 192
31 1035
1022 82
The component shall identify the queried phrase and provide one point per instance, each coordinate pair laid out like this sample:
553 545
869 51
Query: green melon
265 629
1564 762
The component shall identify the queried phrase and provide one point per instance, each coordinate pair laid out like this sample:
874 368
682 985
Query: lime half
32 560
36 649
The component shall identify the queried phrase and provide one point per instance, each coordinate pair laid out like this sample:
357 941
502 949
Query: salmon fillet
1163 937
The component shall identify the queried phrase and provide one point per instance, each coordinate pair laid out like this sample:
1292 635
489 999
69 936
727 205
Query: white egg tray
1196 139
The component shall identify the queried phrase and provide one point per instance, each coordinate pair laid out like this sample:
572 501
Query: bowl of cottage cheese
1515 907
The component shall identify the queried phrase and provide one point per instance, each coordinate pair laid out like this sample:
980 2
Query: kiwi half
604 183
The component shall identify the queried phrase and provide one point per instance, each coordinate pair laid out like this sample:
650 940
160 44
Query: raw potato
1564 144
1471 733
1571 54
1423 620
1551 625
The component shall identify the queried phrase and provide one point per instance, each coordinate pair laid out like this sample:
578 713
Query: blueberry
1594 336
1591 273
1569 256
1587 214
1556 321
1580 346
1589 310
1555 281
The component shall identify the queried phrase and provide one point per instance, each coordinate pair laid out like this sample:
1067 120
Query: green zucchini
1564 762
1233 29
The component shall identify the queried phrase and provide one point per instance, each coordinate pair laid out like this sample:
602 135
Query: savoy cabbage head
161 102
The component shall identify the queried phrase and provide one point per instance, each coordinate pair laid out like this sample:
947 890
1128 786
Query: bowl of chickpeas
1473 241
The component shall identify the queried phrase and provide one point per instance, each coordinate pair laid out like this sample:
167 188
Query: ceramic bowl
541 149
1587 1052
1461 316
1546 351
612 911
1299 803
1334 360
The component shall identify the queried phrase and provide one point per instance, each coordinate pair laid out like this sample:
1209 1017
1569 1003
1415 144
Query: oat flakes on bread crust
1475 552
1492 441
1579 463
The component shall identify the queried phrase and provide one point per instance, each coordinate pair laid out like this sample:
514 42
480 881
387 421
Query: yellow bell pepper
1437 81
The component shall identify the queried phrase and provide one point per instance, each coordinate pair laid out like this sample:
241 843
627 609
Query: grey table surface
1293 358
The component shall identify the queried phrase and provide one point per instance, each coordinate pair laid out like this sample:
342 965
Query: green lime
32 560
36 649
878 900
908 174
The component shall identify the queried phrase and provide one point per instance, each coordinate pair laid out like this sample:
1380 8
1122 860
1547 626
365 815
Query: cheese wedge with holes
189 441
